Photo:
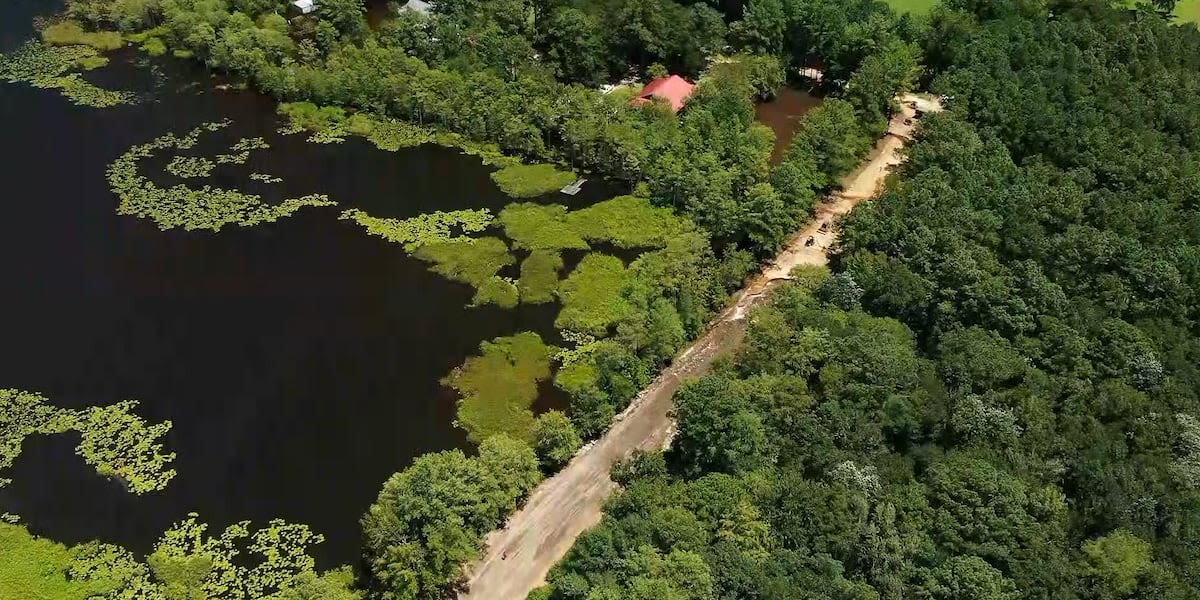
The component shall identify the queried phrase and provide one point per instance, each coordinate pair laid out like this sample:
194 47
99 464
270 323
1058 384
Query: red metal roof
674 89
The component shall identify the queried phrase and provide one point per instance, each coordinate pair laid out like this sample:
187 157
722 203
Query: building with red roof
674 89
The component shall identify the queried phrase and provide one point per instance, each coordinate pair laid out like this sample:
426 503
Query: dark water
783 115
299 361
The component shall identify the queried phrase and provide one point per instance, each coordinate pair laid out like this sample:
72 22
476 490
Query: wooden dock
574 188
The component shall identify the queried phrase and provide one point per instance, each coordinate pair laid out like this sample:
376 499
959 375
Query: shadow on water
299 361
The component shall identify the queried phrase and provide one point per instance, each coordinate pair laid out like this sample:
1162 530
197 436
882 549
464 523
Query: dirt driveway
519 556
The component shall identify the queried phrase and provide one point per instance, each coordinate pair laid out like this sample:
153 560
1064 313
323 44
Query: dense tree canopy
995 396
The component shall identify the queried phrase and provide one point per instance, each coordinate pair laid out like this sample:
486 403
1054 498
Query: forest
991 396
993 393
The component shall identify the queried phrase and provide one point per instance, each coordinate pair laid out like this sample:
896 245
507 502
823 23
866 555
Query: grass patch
422 229
915 7
309 116
629 222
527 181
577 377
539 276
591 296
471 261
541 227
89 63
497 388
387 133
154 47
1188 11
32 567
70 33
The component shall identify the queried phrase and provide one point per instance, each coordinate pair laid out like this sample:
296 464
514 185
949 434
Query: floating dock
574 188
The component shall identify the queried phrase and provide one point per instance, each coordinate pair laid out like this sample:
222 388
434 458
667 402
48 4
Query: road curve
519 556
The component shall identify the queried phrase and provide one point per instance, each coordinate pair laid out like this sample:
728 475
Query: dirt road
535 538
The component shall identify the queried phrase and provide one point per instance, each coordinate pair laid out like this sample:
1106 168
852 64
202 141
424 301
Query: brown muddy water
783 114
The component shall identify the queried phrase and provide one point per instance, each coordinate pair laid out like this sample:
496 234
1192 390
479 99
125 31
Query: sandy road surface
534 539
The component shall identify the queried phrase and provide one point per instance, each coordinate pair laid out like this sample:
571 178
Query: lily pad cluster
114 440
191 208
56 67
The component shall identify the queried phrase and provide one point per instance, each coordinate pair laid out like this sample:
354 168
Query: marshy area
300 361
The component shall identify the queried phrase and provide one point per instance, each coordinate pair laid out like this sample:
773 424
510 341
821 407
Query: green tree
555 439
1114 562
967 578
719 429
347 16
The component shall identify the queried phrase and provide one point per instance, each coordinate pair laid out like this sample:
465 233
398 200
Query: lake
299 361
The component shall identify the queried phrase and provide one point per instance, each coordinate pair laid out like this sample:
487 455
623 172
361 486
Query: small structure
674 89
417 6
305 6
573 188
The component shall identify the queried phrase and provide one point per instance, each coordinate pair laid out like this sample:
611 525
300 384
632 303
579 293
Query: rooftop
674 89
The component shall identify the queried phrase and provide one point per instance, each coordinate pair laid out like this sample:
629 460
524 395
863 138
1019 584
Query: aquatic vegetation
585 346
331 135
541 226
80 92
488 152
264 178
629 222
189 167
120 444
239 563
154 46
625 221
70 33
500 291
422 229
89 63
289 129
387 133
527 181
115 441
498 387
539 276
326 123
474 261
192 208
23 414
439 238
591 295
33 567
248 144
49 67
309 116
233 159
